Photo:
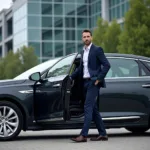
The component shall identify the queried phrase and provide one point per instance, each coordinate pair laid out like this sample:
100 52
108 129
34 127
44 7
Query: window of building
79 35
58 22
9 46
70 34
82 23
34 34
118 12
47 34
69 9
59 1
34 8
82 10
58 34
70 48
70 22
123 10
35 0
84 1
118 8
36 46
58 9
9 27
58 49
47 22
45 1
80 47
34 21
47 9
47 49
70 1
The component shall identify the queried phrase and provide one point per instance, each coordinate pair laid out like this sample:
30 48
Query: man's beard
87 43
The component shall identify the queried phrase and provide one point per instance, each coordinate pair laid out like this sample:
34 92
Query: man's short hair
87 30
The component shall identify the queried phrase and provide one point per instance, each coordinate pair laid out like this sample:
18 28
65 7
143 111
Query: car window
61 68
148 64
39 68
121 67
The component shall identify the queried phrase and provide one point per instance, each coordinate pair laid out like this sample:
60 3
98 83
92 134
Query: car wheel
11 121
137 129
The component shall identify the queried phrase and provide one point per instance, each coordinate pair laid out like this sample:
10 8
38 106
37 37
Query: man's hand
97 81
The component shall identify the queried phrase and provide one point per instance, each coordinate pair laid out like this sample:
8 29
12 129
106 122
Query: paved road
119 139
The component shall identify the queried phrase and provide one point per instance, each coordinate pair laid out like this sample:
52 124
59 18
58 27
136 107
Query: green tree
28 57
99 32
15 63
10 65
111 38
107 35
135 37
2 75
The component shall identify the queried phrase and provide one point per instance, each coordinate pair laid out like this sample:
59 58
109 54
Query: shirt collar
88 48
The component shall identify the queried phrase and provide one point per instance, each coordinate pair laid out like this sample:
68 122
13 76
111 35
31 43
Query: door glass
121 67
62 67
148 64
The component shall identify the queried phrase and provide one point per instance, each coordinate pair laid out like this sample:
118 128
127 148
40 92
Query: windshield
39 68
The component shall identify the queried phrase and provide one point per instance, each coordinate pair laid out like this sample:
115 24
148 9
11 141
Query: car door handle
146 85
56 85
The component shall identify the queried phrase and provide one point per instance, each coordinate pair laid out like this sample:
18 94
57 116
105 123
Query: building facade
54 27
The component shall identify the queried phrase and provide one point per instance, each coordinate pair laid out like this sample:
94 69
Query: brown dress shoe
79 139
100 138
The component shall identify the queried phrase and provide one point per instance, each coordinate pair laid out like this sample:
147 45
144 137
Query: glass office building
54 27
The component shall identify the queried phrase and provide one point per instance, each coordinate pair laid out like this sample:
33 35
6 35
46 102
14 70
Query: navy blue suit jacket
98 65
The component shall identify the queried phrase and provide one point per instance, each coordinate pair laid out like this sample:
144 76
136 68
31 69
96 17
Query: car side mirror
35 76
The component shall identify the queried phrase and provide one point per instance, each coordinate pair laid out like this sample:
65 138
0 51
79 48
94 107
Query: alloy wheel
9 121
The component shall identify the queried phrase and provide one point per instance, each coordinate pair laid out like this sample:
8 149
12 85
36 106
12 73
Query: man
93 74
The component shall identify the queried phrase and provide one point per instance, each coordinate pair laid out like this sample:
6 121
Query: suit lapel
92 46
82 52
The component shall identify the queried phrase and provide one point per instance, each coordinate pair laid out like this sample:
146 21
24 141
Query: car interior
76 105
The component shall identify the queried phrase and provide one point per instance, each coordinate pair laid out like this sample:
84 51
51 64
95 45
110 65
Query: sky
5 4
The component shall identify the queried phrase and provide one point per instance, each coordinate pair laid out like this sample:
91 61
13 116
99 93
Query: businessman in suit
93 69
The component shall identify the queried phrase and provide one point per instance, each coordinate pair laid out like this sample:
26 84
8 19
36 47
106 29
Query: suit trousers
91 111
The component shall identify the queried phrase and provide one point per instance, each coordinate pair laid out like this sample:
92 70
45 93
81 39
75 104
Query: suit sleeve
105 63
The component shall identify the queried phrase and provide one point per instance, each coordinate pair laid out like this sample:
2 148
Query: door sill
50 120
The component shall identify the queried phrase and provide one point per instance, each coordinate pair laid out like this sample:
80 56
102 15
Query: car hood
11 82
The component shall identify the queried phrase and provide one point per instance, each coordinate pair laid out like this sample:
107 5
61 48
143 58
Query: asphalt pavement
119 139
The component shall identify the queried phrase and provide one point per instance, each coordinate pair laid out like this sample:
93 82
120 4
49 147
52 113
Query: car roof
125 55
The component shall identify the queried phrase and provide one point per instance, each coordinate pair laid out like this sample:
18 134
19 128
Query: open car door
52 94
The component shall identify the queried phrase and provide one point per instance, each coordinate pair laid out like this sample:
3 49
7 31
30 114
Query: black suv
44 97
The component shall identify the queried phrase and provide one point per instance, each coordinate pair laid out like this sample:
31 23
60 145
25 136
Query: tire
11 121
137 129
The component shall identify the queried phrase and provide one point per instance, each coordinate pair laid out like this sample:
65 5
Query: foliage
28 57
15 63
135 37
107 35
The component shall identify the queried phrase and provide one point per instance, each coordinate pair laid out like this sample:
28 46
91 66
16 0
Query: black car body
48 99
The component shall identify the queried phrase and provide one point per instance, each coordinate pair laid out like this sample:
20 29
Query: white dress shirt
85 61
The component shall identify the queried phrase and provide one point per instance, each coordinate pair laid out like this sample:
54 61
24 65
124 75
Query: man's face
86 38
